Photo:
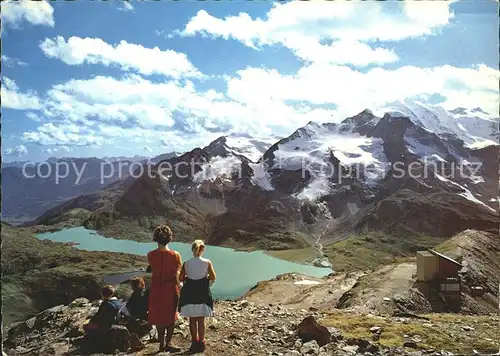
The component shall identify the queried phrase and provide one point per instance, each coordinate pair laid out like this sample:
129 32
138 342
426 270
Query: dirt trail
303 292
365 292
376 291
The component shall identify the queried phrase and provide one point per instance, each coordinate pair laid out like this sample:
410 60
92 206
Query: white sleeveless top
196 267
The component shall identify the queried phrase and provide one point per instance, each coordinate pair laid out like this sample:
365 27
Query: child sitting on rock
196 301
102 330
109 312
137 307
138 302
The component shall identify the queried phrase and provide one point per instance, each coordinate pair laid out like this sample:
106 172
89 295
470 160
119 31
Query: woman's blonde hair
197 247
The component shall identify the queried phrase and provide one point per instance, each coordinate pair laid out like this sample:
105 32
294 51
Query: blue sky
109 79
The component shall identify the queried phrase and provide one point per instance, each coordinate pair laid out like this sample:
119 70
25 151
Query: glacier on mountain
312 151
474 127
251 147
217 167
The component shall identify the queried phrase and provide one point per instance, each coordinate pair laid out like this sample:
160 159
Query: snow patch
421 149
352 149
251 147
261 177
307 283
466 192
482 144
476 179
441 178
315 190
218 167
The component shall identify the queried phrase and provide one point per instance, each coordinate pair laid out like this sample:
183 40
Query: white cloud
363 21
344 51
33 12
11 62
58 149
136 101
128 56
103 110
69 135
13 98
130 101
33 116
303 27
17 151
352 91
148 149
127 6
63 134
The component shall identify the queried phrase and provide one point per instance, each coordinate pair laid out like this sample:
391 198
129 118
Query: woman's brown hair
162 234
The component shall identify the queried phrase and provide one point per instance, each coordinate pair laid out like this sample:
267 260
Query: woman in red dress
165 266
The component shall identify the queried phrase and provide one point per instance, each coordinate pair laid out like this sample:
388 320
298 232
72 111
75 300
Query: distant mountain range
411 170
31 188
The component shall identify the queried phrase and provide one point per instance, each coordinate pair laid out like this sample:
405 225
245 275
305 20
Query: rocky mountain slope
386 173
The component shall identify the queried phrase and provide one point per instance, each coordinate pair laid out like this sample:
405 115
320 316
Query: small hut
435 267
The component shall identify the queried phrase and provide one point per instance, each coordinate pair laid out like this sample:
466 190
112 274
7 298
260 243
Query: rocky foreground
246 328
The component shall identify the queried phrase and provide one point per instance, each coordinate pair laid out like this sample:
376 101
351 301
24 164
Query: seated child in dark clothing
137 307
109 312
138 302
108 315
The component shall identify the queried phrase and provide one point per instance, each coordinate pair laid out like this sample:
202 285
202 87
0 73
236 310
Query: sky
118 78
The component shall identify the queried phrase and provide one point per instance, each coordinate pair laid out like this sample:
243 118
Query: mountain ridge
279 202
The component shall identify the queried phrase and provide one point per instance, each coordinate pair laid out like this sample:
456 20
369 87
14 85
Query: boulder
410 344
336 334
80 302
363 345
309 329
310 348
117 338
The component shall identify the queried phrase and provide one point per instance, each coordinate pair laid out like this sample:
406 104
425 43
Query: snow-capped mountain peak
240 145
473 126
251 147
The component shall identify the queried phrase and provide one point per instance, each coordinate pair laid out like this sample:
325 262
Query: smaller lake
236 271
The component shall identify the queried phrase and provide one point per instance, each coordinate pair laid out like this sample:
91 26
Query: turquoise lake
236 271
